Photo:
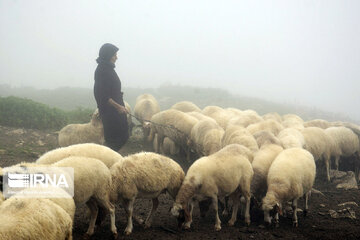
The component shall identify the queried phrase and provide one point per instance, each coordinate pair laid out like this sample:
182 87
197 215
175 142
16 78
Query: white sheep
291 176
265 137
347 142
244 118
261 164
273 115
220 115
92 185
239 135
321 123
291 137
294 117
292 121
200 116
55 194
227 172
206 137
186 106
144 175
145 107
92 150
354 127
92 132
236 111
269 125
174 124
29 218
320 145
170 147
145 96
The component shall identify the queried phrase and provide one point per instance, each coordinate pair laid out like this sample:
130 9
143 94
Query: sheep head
269 214
181 213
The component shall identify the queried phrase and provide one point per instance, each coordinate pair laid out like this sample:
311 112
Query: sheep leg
106 204
235 199
160 143
327 164
226 206
278 209
188 223
129 208
294 207
217 219
137 218
93 212
155 202
306 199
247 209
337 163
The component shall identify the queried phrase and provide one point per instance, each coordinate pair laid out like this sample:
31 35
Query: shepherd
109 98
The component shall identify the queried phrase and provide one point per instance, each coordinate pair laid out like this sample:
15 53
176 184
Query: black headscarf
106 52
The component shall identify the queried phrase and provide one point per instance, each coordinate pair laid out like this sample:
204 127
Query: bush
79 115
25 113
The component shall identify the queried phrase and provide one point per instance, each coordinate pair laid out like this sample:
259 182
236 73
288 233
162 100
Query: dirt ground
17 145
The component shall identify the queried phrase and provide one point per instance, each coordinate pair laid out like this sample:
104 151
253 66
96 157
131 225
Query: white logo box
38 182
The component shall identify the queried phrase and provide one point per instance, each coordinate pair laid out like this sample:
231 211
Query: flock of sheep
240 155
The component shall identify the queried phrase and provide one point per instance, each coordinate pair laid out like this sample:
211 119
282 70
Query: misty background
303 53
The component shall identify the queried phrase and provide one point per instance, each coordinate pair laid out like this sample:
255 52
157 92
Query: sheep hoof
186 227
115 235
127 232
147 225
231 223
217 228
295 224
86 236
139 220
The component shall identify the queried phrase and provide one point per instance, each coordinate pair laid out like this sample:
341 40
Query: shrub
25 113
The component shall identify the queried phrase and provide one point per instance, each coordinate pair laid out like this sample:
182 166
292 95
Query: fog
298 52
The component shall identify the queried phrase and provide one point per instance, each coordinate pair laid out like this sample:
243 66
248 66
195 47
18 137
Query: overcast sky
299 52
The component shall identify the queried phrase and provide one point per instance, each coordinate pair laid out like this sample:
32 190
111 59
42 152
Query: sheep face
180 213
175 210
269 214
96 119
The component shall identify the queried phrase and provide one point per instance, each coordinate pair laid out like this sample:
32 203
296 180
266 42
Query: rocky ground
333 214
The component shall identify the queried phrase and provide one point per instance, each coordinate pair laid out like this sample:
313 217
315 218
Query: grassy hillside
74 98
26 113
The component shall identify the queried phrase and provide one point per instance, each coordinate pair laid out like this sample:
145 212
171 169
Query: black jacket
107 85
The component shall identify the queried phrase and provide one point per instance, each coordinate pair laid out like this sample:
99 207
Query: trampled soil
17 145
